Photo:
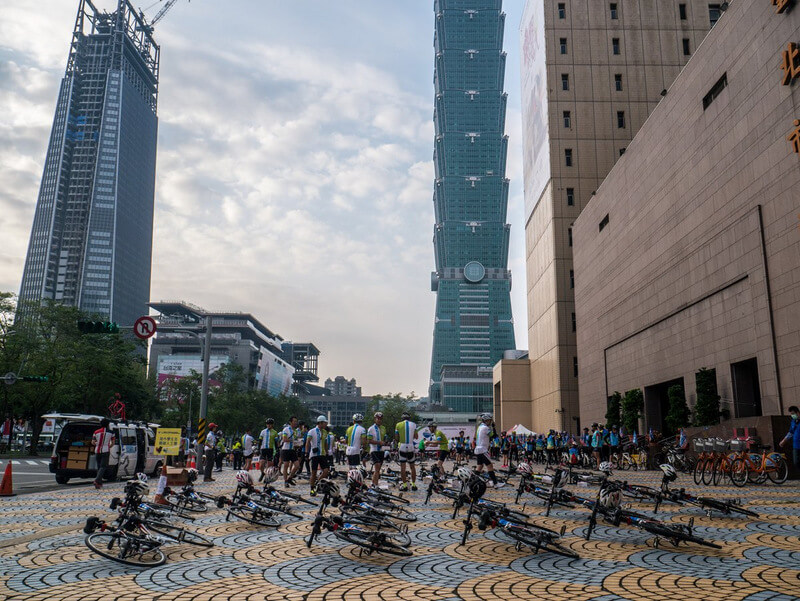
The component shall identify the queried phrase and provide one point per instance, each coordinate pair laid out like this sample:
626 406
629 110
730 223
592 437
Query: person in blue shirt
613 441
794 435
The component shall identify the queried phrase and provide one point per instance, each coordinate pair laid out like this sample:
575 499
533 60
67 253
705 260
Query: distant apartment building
341 386
592 72
92 234
237 338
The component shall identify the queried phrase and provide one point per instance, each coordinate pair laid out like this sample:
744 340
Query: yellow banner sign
168 441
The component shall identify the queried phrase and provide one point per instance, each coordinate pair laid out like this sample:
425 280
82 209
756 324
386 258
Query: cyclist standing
209 448
482 438
288 454
438 437
356 439
317 449
376 435
102 439
405 433
794 435
247 448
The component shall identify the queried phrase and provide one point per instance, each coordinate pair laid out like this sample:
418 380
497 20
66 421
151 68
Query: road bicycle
523 534
157 520
439 487
245 508
130 543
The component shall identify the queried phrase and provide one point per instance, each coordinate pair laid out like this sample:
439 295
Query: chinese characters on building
790 65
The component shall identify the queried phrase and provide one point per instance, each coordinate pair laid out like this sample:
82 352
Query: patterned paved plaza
42 556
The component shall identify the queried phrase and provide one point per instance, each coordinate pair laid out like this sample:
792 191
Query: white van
73 454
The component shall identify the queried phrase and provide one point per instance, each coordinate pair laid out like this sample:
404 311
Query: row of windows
714 12
617 82
568 162
615 46
567 115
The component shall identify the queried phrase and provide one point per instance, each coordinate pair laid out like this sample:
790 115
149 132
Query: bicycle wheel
698 471
739 472
178 534
398 513
125 549
719 471
777 469
377 542
624 463
254 516
539 541
708 471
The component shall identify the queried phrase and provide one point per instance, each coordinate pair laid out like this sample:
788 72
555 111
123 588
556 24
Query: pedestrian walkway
42 556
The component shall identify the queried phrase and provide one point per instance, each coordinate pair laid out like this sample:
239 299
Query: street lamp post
205 348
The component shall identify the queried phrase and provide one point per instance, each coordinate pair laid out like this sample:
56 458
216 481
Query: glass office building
473 323
91 241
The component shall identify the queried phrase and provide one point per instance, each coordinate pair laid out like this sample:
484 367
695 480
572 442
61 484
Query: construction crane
161 13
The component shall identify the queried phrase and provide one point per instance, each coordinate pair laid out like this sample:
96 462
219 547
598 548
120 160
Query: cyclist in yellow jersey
405 433
438 438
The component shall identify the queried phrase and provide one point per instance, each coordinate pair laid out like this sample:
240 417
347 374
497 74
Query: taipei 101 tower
473 325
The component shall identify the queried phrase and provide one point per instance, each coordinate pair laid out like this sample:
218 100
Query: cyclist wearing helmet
376 435
317 449
288 455
356 439
438 437
269 441
405 433
482 437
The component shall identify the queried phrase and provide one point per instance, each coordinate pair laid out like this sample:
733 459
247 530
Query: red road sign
144 327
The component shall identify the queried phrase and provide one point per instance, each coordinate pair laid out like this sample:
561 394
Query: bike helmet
141 477
328 487
321 419
476 488
464 474
243 478
137 488
433 425
610 498
486 417
405 415
378 414
524 469
364 472
357 417
670 475
271 474
605 467
270 421
354 476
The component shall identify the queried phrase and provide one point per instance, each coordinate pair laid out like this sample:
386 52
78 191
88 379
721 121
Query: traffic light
98 327
33 379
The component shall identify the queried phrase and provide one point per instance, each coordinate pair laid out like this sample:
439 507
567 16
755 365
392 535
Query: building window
621 151
618 82
575 366
604 222
562 10
563 43
571 197
715 91
569 235
613 8
620 119
686 50
568 157
714 13
567 119
572 278
615 45
574 323
565 81
682 11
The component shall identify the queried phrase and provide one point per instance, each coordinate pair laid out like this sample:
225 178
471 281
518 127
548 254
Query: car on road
73 454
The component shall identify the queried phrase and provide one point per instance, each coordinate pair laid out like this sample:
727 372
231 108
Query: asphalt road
31 474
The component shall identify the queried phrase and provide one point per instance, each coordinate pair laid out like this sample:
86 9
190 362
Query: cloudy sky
294 167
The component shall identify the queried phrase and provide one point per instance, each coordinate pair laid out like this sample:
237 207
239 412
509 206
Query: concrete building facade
342 386
591 74
688 257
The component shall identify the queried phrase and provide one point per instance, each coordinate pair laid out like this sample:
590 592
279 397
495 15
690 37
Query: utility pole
202 424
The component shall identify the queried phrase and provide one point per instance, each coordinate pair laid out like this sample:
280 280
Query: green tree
632 407
678 414
393 406
613 416
706 408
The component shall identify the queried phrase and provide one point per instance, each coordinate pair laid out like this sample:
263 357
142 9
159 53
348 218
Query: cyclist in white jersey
356 437
317 448
288 455
482 438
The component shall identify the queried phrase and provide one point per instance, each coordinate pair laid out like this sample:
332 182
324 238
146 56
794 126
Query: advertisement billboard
172 367
275 375
536 142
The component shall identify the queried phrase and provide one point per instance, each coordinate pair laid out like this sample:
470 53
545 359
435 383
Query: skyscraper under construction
473 323
91 241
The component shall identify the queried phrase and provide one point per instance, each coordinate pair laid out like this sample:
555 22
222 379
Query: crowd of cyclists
296 447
